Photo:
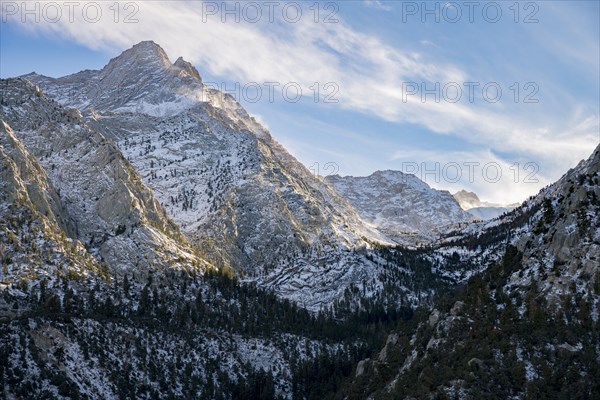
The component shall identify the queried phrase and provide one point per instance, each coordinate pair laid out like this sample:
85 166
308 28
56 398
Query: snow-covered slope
401 205
239 195
34 223
557 231
561 241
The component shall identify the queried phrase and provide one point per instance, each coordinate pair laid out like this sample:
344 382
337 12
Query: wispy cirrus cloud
378 4
371 73
482 171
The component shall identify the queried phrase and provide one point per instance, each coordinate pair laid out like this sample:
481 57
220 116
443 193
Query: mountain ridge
113 213
235 191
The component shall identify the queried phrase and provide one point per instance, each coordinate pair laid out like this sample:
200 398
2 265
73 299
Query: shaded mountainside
34 224
198 337
202 336
526 327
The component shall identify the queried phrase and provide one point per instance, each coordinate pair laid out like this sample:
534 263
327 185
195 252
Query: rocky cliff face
36 231
561 242
108 208
25 182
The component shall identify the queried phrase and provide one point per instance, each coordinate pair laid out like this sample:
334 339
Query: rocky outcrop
25 181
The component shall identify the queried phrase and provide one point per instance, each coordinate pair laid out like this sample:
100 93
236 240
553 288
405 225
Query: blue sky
378 55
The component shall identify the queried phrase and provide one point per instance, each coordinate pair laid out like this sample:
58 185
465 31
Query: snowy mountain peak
400 177
148 55
387 178
144 53
147 60
142 79
148 45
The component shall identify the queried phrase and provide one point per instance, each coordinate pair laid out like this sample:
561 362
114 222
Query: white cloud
261 120
377 4
426 42
492 177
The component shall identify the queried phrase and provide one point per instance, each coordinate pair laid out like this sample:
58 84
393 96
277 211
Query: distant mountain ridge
483 210
401 205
